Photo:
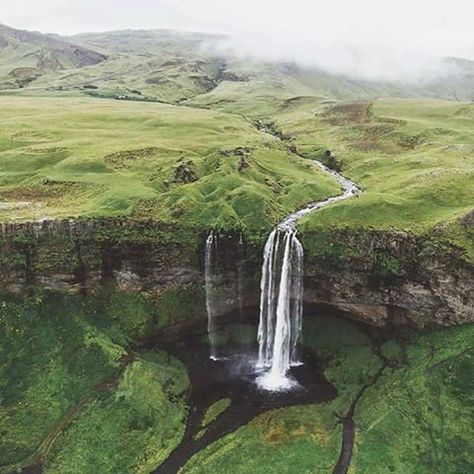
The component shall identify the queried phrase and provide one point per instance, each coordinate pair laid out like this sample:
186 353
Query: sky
373 39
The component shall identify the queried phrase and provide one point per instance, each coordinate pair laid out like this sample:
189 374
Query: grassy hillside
25 56
152 65
414 159
413 415
171 66
90 157
73 393
417 417
62 157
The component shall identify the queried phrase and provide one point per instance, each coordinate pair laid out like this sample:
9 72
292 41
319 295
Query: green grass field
415 418
413 159
94 157
63 157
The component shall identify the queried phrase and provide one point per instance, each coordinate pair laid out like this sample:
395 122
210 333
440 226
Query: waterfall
281 307
210 257
240 255
281 297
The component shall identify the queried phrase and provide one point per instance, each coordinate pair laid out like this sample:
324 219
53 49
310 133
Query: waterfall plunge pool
234 375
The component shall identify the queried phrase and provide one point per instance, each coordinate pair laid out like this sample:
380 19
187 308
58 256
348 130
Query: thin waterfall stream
210 262
281 302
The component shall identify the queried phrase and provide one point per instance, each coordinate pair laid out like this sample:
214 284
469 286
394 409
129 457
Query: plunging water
210 256
281 308
281 301
240 258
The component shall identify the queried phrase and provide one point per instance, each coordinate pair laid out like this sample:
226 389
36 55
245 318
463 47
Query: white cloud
369 38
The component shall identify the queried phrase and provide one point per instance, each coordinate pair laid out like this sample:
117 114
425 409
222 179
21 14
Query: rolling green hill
173 67
413 158
91 157
25 56
204 162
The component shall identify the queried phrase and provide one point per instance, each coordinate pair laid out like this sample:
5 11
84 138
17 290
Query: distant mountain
165 65
25 56
193 68
146 41
180 66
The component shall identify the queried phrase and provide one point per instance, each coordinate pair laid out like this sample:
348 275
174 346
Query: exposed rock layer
392 278
382 278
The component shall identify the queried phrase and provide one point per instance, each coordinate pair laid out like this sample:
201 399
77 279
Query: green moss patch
75 396
132 429
297 439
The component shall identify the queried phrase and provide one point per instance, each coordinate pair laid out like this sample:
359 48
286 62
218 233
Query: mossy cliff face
161 262
379 277
83 255
389 278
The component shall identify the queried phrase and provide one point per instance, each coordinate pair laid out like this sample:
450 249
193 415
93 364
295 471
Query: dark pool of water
233 377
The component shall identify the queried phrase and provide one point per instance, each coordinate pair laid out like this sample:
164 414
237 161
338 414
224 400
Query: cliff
381 278
390 278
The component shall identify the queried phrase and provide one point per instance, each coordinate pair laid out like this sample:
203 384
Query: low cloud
372 62
370 39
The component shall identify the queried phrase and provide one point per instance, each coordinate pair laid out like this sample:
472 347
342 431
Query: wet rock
410 284
332 162
185 173
468 220
128 281
233 77
379 277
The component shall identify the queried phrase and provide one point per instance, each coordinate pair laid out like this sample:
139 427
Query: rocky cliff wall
382 278
389 278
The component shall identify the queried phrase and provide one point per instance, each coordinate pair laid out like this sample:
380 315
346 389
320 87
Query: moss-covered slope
74 395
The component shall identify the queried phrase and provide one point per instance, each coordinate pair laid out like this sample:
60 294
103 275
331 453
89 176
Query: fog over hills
172 66
368 39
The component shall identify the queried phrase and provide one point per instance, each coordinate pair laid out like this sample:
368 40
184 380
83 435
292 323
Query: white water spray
281 300
240 255
281 308
210 255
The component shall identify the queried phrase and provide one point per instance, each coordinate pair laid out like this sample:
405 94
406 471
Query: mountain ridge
27 55
168 65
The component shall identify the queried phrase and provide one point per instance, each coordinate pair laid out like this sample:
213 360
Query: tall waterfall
240 291
281 301
210 256
281 307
